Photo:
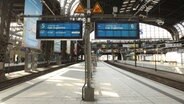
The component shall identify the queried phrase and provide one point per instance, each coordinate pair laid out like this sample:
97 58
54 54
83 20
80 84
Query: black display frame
57 21
117 22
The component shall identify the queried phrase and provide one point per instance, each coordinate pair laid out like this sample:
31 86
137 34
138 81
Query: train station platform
112 86
22 73
163 66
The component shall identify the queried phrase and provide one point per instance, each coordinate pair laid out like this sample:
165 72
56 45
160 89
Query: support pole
88 90
88 51
156 59
47 50
135 54
182 58
63 52
5 18
28 60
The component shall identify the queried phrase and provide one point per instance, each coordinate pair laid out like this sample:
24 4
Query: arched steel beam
69 7
174 33
73 5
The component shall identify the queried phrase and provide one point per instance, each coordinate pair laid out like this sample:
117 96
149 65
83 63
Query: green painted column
5 18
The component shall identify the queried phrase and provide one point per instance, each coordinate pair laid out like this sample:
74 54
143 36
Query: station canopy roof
170 12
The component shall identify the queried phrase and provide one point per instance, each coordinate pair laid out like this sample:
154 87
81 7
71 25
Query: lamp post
155 59
135 54
144 55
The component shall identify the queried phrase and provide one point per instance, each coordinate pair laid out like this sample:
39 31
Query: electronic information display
59 30
116 30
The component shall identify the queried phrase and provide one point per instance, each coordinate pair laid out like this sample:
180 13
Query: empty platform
112 86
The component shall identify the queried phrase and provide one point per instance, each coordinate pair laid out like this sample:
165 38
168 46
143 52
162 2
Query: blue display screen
116 30
59 30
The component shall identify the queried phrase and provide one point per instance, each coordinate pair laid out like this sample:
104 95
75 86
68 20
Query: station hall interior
91 51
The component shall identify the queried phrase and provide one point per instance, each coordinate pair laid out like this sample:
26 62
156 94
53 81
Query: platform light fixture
123 5
122 9
126 2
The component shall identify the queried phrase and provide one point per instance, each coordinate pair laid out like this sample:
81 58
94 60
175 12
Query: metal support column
135 54
28 60
31 60
5 18
88 90
155 63
72 47
156 59
34 61
182 58
63 52
47 49
58 59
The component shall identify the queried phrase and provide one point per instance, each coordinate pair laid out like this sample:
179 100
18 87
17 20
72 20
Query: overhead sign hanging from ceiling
59 30
116 30
97 9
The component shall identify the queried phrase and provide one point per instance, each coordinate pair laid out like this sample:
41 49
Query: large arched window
180 29
153 32
147 31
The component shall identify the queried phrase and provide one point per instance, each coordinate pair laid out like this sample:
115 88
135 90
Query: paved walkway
112 86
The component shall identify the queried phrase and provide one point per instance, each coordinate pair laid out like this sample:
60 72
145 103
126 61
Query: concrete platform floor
112 86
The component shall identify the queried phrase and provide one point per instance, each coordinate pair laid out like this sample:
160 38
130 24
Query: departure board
116 30
59 30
